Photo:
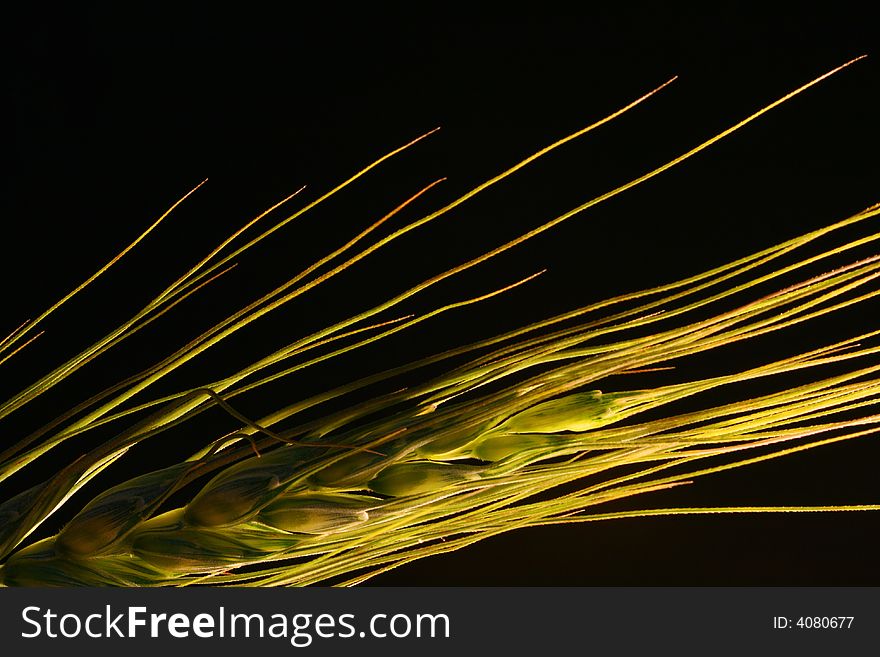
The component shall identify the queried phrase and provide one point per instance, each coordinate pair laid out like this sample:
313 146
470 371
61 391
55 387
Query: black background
115 113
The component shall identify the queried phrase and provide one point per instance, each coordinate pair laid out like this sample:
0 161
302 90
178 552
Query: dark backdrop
115 113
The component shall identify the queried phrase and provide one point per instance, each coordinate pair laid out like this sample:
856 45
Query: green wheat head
532 427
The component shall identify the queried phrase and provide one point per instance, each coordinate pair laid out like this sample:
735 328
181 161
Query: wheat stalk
514 433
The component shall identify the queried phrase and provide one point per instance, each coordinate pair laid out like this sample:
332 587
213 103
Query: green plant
512 433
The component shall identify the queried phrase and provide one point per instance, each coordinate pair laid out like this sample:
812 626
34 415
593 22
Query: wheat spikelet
484 448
